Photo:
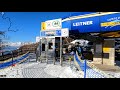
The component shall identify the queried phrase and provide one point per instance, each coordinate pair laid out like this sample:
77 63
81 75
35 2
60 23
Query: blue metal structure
111 22
86 24
88 71
10 63
81 13
93 22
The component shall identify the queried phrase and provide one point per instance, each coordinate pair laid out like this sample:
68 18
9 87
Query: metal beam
61 51
89 15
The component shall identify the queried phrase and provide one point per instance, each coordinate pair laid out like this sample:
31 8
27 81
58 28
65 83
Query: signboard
43 26
50 33
65 32
85 25
54 24
106 50
110 22
55 33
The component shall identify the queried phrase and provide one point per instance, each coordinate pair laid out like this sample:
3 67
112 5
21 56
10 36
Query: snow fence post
85 64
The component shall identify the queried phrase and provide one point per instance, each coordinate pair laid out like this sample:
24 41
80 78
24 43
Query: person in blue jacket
79 49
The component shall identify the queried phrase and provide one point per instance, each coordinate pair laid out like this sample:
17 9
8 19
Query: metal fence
12 62
90 71
10 54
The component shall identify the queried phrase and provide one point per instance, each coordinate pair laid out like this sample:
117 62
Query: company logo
83 23
56 23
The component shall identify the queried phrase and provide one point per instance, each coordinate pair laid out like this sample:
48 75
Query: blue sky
29 24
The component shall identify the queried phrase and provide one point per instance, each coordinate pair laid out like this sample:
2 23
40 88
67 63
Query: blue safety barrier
12 62
88 71
85 64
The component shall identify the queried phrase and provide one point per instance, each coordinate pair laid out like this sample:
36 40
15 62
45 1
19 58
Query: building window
50 45
43 47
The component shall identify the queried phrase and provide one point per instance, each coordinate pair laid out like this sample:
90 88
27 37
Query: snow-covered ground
40 70
62 71
114 74
32 69
16 71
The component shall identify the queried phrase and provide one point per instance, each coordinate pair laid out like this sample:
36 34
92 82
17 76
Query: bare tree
3 32
1 39
10 22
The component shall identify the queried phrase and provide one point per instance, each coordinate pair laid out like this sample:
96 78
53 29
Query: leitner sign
85 25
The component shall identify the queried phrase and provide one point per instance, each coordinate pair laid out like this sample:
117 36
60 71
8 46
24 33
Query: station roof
77 14
86 15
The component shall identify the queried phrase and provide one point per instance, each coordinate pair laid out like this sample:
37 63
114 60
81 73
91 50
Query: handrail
92 66
15 61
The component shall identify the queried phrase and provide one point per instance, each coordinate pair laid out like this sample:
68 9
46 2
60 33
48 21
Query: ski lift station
99 27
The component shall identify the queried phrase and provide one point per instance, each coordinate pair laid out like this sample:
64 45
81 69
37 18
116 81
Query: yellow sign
43 26
106 50
109 24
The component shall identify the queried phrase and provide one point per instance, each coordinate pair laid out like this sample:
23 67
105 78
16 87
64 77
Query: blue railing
88 71
12 62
